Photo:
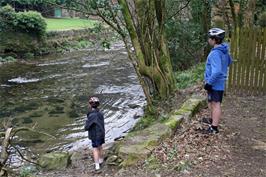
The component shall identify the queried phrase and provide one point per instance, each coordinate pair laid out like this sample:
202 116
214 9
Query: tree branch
171 16
69 8
23 158
17 130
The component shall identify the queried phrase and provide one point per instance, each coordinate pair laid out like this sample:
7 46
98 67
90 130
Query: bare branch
71 8
177 12
17 130
23 158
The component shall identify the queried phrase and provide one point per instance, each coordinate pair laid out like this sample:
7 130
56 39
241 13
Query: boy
95 127
215 77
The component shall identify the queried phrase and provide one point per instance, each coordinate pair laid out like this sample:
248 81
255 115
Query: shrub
26 22
7 59
7 16
262 19
30 22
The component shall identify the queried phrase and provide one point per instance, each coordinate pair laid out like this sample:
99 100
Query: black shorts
215 95
97 143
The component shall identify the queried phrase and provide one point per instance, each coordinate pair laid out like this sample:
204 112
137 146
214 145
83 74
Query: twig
17 130
69 8
23 158
177 12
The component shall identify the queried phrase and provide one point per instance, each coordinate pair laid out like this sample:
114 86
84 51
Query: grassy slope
68 23
190 77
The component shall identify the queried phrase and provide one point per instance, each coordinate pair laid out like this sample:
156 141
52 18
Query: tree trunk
206 20
145 24
232 8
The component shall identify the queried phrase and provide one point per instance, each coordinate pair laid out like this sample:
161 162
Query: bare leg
96 155
100 148
210 108
216 113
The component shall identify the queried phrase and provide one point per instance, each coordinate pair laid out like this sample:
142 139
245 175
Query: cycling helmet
216 33
94 101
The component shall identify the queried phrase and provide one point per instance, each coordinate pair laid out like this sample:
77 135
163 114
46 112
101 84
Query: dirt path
239 150
245 122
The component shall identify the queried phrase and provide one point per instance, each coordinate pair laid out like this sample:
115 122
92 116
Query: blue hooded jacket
217 65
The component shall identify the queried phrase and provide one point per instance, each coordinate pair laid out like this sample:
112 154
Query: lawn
68 23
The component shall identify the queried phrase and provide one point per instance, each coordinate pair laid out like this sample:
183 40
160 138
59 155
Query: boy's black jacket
95 125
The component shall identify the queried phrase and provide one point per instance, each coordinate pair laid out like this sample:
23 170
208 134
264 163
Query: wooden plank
256 63
259 60
237 51
246 63
246 60
237 65
236 56
233 48
264 61
253 67
242 56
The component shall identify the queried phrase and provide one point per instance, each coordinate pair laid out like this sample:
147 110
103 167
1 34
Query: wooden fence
247 75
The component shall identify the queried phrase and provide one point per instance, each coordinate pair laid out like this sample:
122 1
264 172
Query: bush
262 19
26 22
7 16
7 59
30 22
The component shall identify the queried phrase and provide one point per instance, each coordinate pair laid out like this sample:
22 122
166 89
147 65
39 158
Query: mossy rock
174 121
191 106
55 161
140 144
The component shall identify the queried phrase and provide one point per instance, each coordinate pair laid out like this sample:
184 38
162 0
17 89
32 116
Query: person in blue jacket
215 76
96 131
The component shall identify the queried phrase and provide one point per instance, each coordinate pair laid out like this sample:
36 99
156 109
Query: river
52 93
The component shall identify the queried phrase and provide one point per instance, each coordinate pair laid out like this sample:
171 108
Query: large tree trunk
145 23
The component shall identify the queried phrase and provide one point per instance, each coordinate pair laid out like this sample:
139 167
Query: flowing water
53 93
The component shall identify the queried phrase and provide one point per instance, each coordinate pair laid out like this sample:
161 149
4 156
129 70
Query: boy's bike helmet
216 33
94 101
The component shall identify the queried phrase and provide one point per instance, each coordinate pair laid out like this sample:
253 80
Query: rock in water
55 160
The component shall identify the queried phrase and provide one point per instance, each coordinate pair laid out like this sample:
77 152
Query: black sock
215 128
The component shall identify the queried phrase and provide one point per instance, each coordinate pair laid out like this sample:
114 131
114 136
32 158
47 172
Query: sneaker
97 166
207 120
210 130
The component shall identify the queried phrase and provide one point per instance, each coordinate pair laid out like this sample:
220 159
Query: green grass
55 24
190 77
